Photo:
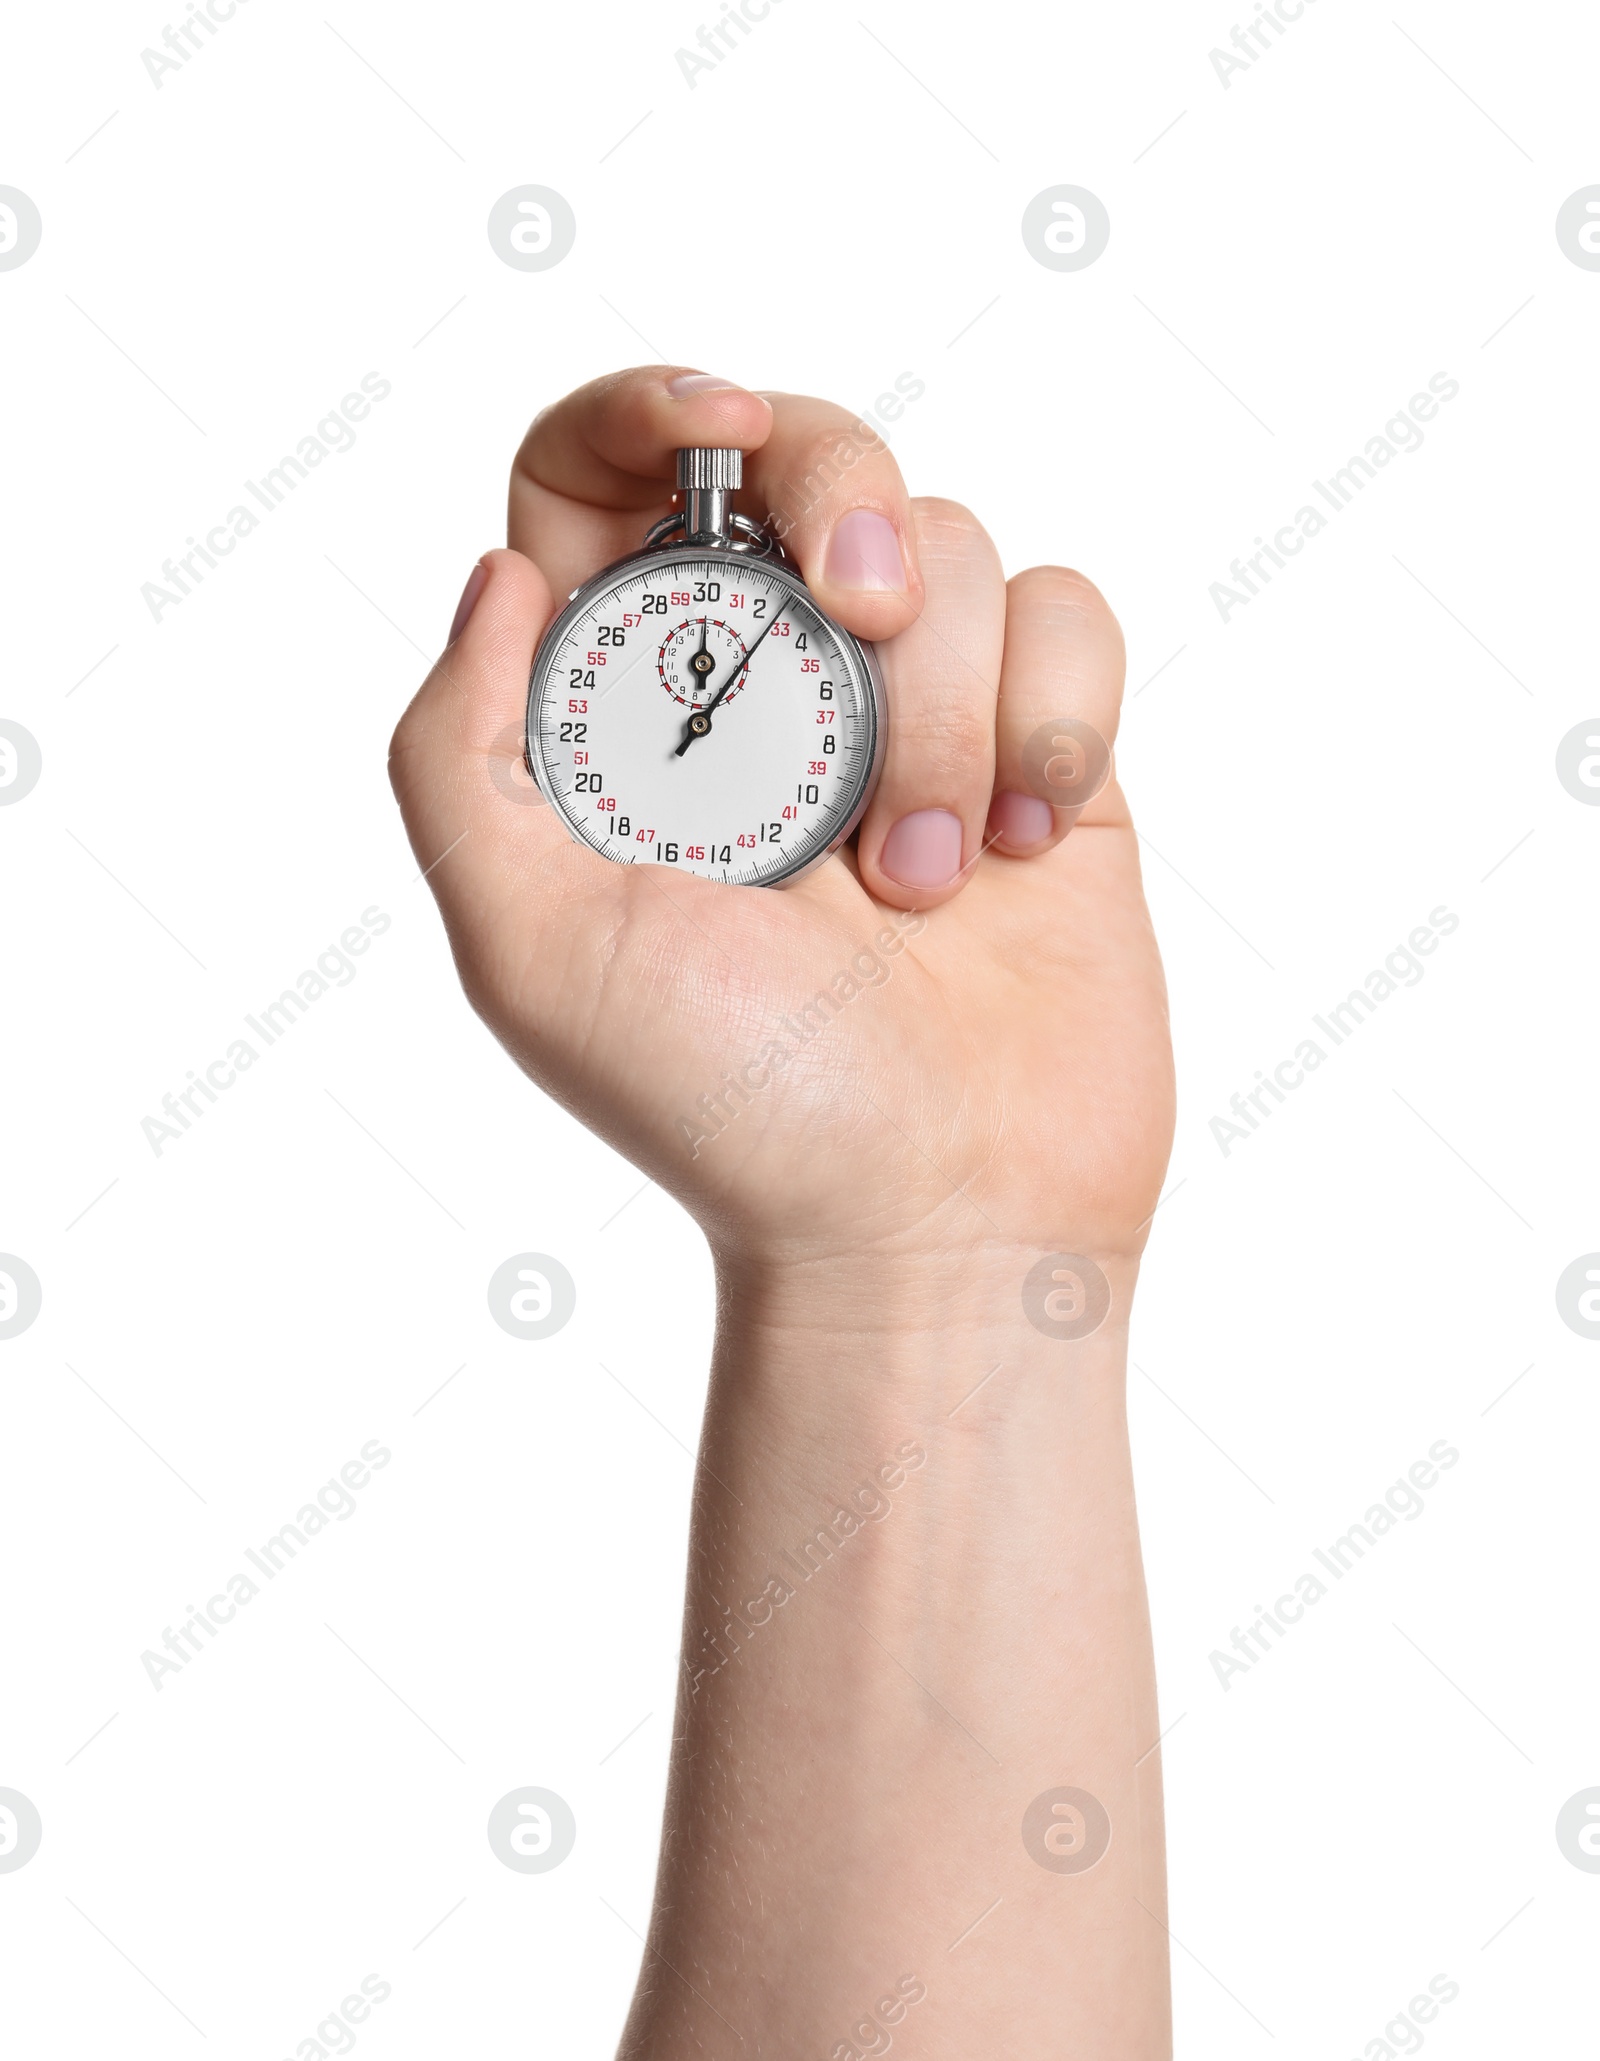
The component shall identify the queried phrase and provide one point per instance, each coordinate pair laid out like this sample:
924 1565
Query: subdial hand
699 724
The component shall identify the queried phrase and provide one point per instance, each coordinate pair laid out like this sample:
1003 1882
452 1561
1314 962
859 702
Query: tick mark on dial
689 670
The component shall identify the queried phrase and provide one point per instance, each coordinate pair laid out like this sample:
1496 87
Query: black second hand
703 716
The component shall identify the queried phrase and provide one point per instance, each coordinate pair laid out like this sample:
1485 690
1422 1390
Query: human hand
975 1074
990 1066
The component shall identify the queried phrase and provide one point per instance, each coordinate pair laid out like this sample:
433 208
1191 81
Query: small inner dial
696 656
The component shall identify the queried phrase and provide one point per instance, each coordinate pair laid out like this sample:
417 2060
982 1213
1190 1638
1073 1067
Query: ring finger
1060 696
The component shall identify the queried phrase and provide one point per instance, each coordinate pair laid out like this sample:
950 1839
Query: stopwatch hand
699 724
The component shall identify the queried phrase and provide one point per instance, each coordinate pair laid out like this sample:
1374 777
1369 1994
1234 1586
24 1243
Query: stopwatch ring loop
748 539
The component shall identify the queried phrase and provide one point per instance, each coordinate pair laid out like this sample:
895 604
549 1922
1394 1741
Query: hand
989 1072
970 1018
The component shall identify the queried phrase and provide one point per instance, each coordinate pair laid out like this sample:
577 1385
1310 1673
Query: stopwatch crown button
710 469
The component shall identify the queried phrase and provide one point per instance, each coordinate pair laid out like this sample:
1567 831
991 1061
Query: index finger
597 467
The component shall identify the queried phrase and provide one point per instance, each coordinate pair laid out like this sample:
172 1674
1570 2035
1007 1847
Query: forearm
915 1606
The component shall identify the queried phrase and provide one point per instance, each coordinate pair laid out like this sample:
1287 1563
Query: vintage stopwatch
691 706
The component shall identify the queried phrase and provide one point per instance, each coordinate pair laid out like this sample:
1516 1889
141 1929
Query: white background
1372 737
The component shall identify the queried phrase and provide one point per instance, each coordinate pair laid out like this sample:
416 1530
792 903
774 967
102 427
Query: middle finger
924 828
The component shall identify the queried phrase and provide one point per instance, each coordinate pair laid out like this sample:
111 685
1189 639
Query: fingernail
1020 819
688 384
923 850
477 580
864 553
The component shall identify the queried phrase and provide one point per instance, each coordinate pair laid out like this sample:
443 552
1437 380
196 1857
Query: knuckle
822 461
936 517
406 754
950 535
1067 593
954 735
403 744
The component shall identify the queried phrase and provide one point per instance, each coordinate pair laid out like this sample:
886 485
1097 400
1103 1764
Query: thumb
469 710
498 859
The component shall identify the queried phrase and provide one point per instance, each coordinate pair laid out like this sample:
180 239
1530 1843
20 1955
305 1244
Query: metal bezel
702 554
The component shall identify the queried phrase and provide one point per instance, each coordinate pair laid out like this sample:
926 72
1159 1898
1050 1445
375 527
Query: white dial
695 708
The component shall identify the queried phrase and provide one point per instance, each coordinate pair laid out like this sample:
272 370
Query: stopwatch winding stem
707 480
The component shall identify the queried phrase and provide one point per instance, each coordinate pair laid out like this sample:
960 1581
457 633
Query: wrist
916 1312
823 1370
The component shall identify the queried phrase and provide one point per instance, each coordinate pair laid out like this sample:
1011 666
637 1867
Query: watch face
694 708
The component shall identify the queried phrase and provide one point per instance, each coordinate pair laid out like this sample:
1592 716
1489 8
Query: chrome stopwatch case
692 706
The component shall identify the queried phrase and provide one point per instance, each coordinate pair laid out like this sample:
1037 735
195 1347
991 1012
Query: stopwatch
693 707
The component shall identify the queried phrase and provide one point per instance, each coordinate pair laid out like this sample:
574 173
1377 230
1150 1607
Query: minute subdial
696 657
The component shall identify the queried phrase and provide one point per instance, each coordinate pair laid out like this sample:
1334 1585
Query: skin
853 1759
